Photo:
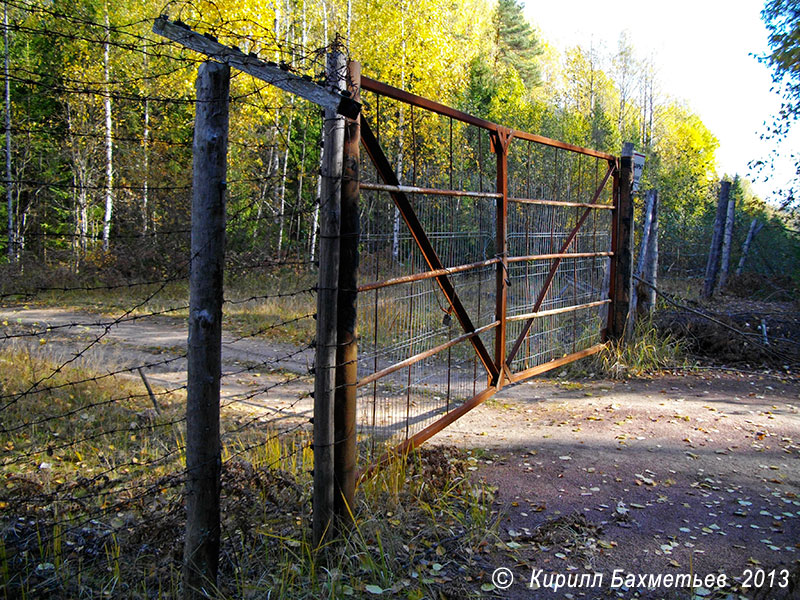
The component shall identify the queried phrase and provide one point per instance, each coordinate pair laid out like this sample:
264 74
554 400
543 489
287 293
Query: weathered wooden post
639 290
346 451
727 239
712 265
327 292
203 450
650 271
755 227
622 244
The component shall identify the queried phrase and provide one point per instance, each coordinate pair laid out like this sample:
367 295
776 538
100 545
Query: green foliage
782 20
516 43
483 57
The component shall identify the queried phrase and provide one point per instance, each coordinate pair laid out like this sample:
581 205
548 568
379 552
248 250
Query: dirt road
682 473
254 372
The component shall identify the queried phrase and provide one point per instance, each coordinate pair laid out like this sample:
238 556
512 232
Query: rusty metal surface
434 263
414 100
556 262
407 189
427 275
542 201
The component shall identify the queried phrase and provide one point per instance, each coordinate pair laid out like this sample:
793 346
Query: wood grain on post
623 247
203 450
650 271
755 227
327 292
727 238
644 246
712 265
344 418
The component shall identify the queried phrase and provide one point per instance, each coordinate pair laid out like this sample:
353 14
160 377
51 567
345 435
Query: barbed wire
63 408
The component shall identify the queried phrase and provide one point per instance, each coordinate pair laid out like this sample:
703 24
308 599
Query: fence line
468 230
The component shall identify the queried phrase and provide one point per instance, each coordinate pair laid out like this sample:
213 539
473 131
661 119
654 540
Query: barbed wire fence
92 397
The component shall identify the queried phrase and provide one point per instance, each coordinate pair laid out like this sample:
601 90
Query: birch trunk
12 252
400 148
282 216
145 150
109 195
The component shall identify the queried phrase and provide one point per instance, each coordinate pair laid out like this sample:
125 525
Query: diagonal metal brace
323 96
554 266
423 242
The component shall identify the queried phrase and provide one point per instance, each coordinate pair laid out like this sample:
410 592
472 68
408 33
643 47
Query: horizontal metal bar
543 202
557 311
612 165
392 92
426 275
554 364
323 96
423 355
380 187
533 257
563 145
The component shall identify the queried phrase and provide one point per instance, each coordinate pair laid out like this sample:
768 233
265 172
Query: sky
702 50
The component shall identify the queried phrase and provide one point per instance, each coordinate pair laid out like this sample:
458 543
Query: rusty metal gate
485 259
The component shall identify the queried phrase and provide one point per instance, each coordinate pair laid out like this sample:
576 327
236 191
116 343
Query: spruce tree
517 45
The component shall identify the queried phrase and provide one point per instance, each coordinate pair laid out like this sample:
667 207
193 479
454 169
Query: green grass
92 506
648 352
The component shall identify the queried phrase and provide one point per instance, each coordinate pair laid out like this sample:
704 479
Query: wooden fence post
623 247
203 450
344 418
327 291
650 272
755 227
640 262
712 264
727 238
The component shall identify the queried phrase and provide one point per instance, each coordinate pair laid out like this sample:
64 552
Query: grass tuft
92 502
647 352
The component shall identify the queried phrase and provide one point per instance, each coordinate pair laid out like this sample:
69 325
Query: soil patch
687 473
769 331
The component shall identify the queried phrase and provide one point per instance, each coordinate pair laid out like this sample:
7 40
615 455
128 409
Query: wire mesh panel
415 361
465 236
559 243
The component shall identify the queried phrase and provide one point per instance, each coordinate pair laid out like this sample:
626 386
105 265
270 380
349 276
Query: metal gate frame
336 379
498 364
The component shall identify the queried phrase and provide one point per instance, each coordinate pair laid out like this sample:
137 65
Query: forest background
99 114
